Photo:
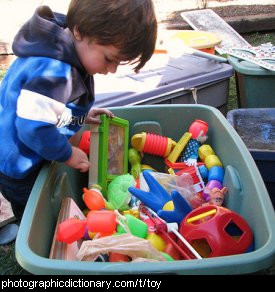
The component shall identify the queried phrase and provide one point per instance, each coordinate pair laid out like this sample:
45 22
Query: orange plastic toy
93 198
103 222
71 230
84 143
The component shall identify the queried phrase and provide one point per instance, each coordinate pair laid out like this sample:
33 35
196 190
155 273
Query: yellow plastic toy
156 241
204 151
174 155
212 160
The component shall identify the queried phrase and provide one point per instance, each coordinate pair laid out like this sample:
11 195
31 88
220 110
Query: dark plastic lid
161 75
256 127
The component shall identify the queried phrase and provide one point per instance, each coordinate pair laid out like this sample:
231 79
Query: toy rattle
153 144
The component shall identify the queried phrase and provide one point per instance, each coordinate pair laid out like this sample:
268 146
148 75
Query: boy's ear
77 34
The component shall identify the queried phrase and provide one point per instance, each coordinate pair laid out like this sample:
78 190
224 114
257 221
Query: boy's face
97 58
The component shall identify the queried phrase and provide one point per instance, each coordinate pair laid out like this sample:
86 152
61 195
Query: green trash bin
255 85
247 196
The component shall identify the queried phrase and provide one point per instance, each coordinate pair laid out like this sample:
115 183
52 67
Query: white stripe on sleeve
38 107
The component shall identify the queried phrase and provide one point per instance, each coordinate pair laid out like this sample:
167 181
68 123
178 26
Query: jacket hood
44 35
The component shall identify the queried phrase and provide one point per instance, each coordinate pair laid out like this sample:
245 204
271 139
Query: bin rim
29 260
248 68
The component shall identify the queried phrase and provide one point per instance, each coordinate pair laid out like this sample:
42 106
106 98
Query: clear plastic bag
182 183
126 244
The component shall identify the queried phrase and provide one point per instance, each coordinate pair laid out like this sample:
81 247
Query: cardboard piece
6 214
61 250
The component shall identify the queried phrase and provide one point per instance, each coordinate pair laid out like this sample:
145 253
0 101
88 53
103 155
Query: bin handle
60 187
233 183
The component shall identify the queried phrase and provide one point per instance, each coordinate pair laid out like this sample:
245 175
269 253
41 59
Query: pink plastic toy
216 231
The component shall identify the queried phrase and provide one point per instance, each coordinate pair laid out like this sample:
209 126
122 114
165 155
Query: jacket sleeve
40 106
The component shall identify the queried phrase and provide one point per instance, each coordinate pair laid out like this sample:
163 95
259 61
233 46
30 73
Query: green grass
8 263
256 39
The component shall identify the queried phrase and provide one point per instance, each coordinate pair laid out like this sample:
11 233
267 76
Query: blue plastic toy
157 198
181 209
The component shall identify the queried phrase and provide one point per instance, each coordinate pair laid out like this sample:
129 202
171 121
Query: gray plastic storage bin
256 126
247 196
164 80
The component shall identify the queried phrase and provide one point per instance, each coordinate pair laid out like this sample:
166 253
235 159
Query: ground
224 12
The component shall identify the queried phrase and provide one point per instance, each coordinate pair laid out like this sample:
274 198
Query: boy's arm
37 116
41 106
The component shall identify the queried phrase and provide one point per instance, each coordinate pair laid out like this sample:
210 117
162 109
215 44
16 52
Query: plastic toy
212 160
153 144
93 198
198 128
156 241
84 143
172 251
118 195
163 228
135 161
216 231
118 257
170 182
147 167
203 172
198 182
71 230
175 153
181 209
157 198
209 186
134 225
216 196
103 222
204 151
109 151
216 173
167 256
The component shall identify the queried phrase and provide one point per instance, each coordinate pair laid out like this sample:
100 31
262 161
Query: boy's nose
112 68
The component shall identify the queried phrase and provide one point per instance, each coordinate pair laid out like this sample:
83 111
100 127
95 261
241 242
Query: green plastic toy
108 151
135 161
118 196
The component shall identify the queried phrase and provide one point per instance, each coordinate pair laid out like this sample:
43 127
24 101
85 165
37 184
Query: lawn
8 263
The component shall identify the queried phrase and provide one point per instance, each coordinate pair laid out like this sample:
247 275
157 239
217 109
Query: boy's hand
93 115
78 160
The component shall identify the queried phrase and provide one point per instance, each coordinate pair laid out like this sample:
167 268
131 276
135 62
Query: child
48 92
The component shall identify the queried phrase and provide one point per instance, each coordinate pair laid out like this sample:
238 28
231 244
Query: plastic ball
216 231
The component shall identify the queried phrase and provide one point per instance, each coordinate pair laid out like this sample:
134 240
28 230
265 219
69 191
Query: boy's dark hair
129 25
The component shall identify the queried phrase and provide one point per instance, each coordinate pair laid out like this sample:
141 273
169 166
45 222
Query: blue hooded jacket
44 97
